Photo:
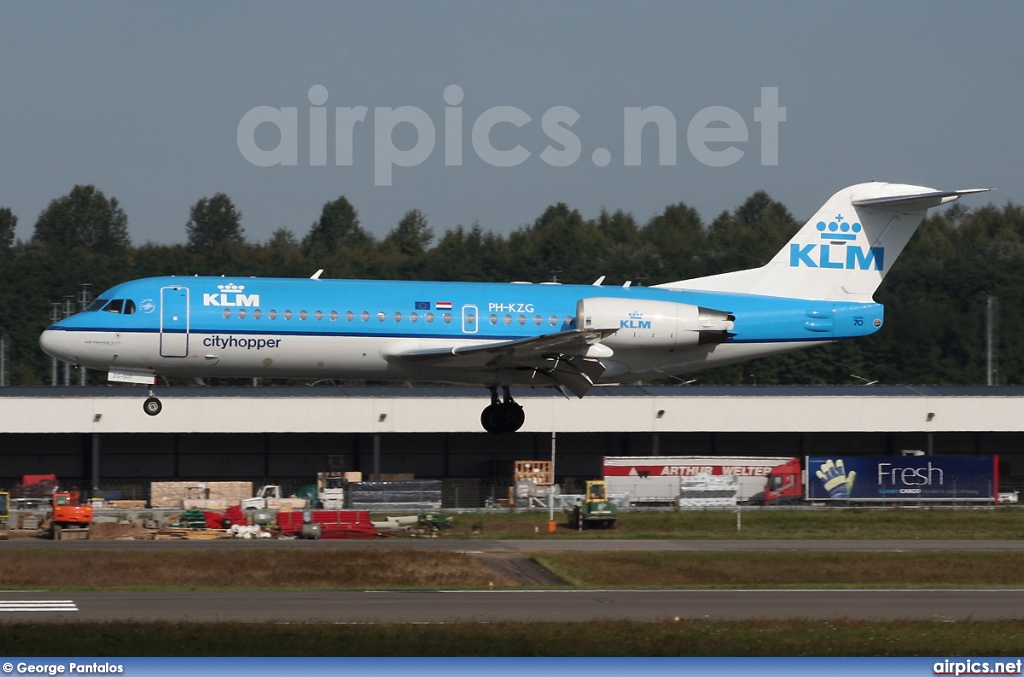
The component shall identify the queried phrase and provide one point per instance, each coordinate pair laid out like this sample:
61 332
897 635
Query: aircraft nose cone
55 343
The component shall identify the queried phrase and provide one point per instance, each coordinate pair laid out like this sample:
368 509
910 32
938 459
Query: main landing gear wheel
152 406
502 416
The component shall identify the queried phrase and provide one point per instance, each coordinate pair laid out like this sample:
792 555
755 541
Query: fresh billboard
902 478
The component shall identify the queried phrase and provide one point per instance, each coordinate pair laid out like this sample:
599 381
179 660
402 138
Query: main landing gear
502 415
152 405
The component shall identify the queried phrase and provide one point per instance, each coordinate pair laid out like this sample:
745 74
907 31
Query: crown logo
838 231
230 288
636 315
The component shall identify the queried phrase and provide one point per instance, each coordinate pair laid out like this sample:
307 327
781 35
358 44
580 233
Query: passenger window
303 314
287 314
398 317
241 313
318 315
257 314
429 317
226 313
413 316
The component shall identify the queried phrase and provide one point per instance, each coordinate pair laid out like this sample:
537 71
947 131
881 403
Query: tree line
935 296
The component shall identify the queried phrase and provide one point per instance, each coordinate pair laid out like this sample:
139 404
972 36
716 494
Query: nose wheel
152 405
502 415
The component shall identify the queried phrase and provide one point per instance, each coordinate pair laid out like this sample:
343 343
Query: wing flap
561 357
505 352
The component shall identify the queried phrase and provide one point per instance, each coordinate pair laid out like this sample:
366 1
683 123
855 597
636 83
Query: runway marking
38 605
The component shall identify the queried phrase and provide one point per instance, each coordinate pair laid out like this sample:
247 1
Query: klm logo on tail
837 249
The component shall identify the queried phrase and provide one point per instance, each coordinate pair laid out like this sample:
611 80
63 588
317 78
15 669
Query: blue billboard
902 478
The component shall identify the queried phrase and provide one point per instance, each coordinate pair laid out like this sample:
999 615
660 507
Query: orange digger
70 519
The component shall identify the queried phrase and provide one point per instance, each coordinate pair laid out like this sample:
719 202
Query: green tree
561 244
681 243
412 236
8 222
84 218
469 256
281 256
337 229
214 224
626 256
751 235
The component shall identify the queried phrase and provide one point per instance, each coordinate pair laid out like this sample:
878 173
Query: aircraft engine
653 324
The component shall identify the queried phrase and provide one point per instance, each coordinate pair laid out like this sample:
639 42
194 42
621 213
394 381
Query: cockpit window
96 305
122 306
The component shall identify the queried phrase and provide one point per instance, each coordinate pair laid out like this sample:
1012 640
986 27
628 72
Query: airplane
816 290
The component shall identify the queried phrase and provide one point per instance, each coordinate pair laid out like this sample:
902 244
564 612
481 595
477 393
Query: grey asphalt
511 605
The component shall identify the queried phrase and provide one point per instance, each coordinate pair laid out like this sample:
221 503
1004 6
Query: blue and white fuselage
816 290
356 329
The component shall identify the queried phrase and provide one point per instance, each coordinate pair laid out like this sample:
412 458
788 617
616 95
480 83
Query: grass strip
593 638
778 569
257 569
414 569
768 523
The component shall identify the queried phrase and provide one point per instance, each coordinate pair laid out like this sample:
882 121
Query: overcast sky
145 101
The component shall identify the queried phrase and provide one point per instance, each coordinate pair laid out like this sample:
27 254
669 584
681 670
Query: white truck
688 481
330 490
269 498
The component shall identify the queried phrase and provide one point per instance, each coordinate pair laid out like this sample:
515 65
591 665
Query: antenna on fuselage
317 274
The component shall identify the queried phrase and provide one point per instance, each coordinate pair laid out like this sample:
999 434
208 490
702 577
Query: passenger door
174 321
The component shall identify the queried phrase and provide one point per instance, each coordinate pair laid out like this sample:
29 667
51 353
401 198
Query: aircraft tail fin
844 251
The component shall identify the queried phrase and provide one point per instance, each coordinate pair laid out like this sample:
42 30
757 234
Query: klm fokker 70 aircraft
817 289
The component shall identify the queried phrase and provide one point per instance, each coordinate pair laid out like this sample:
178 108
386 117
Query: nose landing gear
152 405
503 415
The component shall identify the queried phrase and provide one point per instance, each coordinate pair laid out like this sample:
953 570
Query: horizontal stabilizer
916 202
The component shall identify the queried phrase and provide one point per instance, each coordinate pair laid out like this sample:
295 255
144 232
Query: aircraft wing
561 356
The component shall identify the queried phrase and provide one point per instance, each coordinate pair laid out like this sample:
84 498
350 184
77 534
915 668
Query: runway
507 605
335 606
